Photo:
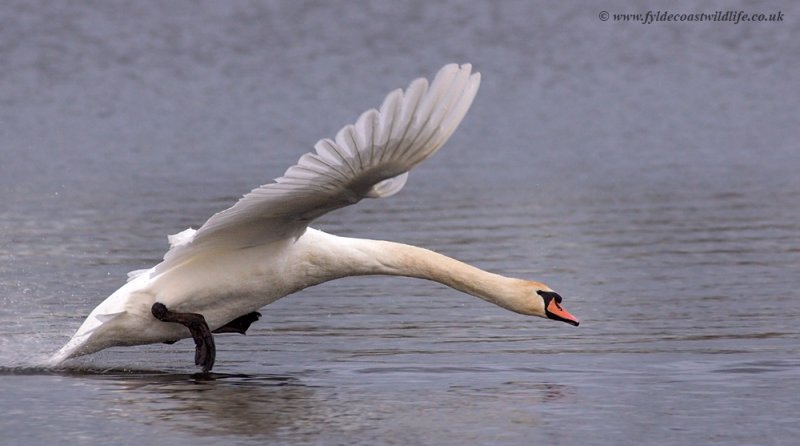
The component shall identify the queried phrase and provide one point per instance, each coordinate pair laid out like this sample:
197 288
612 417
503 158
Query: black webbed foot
240 324
205 350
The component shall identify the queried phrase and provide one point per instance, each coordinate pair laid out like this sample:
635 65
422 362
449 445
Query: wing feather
370 158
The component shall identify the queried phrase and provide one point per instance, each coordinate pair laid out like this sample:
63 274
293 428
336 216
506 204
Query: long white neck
330 257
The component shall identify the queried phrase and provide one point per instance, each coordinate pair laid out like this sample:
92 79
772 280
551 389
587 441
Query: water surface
647 173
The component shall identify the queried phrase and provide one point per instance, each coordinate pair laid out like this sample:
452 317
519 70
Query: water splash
26 350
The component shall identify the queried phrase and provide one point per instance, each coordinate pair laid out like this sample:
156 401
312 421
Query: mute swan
215 278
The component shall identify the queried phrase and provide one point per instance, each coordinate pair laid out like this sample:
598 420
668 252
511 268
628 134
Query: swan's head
540 300
554 310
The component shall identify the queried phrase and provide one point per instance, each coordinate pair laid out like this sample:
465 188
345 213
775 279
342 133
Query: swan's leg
205 350
240 324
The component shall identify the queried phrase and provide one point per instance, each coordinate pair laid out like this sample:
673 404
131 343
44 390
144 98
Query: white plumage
261 248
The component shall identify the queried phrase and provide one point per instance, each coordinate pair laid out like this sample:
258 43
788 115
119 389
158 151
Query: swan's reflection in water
408 407
208 404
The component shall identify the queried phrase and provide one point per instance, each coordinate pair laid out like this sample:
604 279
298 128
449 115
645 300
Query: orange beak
556 311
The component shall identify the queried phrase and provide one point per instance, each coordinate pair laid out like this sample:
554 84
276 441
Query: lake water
649 173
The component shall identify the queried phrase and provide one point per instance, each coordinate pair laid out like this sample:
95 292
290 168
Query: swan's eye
550 295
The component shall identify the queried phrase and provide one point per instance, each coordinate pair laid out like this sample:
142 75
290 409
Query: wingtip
466 66
465 70
475 78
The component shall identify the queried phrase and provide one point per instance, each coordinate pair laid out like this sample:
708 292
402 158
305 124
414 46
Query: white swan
261 249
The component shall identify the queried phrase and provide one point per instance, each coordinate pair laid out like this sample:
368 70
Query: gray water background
649 173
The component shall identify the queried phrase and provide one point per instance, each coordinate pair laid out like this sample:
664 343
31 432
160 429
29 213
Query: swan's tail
61 355
90 337
77 346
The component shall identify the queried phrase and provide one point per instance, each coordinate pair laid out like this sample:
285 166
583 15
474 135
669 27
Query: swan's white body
261 249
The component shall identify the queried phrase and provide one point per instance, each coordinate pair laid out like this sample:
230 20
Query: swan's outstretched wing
368 159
